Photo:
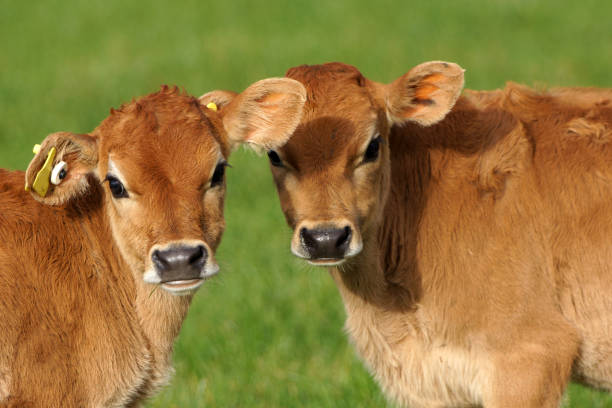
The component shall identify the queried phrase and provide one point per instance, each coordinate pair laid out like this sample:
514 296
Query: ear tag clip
41 182
212 106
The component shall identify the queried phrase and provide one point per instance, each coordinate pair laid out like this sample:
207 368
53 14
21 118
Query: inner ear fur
219 97
265 114
79 151
425 94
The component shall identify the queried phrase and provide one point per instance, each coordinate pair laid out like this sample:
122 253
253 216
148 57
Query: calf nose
180 262
326 243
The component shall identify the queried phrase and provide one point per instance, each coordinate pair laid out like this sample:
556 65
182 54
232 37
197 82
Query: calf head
333 175
160 161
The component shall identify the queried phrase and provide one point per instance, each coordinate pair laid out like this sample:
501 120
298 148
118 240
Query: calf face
333 174
161 161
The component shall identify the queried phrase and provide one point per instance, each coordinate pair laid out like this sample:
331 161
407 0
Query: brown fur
486 264
80 326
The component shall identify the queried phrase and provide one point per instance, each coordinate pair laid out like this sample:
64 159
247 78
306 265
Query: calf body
475 263
98 270
78 330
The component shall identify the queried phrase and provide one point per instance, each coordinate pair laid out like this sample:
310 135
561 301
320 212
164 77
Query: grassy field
268 331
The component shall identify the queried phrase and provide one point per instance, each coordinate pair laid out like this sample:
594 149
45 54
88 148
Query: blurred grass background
268 332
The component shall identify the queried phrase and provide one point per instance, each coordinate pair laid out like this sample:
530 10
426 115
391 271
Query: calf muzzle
180 263
326 243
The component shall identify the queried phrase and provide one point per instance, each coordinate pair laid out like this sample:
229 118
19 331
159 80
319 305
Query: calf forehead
324 141
162 134
340 113
334 89
174 162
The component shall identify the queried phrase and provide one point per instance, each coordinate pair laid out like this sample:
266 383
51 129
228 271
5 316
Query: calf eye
116 187
217 177
275 159
371 153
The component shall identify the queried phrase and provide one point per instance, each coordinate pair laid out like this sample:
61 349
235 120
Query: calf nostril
198 255
345 237
159 260
307 238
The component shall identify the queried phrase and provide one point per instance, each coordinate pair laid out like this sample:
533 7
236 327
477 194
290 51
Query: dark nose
326 243
180 262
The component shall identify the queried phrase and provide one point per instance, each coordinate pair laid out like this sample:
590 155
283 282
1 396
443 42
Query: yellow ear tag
41 182
35 150
212 106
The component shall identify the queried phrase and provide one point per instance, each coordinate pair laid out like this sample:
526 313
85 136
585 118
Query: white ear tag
59 172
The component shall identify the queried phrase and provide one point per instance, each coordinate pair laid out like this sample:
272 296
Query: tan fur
80 326
485 273
265 114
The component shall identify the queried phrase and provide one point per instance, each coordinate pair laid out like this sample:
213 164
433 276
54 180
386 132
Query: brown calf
474 255
90 270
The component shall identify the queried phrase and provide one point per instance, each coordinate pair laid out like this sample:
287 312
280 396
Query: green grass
268 331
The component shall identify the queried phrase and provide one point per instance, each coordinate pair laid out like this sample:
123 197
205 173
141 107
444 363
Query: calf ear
265 114
425 94
44 178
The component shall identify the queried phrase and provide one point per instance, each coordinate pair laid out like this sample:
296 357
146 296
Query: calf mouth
326 261
183 286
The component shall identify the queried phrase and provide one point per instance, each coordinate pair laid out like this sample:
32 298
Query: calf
98 270
471 248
